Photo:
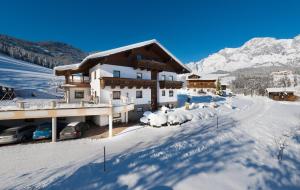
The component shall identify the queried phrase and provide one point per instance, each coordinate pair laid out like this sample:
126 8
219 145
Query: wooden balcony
126 82
80 84
168 84
150 65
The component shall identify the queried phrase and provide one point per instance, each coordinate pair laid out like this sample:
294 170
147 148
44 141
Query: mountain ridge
45 53
256 52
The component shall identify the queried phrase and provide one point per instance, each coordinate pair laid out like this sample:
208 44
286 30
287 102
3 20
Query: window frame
171 93
139 109
114 97
76 94
116 71
171 78
136 94
137 75
163 93
163 77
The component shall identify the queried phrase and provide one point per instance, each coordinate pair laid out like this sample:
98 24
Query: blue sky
191 29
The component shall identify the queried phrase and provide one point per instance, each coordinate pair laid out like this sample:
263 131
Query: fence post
104 162
217 121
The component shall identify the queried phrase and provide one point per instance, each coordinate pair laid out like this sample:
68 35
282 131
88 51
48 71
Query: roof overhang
93 59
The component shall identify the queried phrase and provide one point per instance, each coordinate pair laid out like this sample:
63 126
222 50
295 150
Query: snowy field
242 153
27 78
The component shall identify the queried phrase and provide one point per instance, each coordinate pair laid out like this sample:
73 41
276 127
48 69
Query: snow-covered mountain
257 52
47 53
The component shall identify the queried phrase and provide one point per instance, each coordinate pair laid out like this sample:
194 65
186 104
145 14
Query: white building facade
144 73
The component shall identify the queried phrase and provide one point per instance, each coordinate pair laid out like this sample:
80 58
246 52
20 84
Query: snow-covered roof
288 89
118 50
67 67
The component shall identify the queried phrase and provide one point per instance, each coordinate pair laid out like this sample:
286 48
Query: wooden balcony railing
80 84
150 65
126 82
170 84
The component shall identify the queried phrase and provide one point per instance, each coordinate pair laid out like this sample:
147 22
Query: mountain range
255 53
48 54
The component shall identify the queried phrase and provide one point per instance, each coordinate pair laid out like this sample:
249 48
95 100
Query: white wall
103 119
166 98
125 72
86 94
95 83
167 74
106 94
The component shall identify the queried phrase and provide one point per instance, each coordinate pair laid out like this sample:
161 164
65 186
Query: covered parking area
67 110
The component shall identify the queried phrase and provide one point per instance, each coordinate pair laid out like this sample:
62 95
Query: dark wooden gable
194 76
148 57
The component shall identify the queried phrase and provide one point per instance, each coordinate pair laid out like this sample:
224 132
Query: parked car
73 130
44 130
16 134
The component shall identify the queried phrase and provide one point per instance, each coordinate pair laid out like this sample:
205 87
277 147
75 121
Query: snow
27 78
287 89
67 67
257 52
238 153
118 50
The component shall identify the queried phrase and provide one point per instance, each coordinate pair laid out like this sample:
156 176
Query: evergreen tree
219 88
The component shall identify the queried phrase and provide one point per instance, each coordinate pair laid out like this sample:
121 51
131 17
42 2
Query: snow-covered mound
27 78
257 52
203 107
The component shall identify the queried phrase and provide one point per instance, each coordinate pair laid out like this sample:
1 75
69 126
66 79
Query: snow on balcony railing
55 104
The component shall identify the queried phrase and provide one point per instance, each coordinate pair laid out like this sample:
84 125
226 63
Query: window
163 77
139 57
163 93
171 93
139 94
139 75
117 115
116 95
95 75
171 78
116 74
79 94
139 109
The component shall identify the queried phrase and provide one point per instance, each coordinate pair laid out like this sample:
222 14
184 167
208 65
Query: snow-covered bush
164 109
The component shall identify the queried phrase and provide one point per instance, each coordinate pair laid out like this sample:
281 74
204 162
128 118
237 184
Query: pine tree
218 88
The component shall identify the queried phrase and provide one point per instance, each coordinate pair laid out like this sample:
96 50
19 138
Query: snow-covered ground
28 79
240 154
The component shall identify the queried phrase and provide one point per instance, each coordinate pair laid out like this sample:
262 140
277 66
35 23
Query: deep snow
27 79
240 154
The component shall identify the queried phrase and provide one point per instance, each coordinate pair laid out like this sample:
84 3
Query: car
73 130
44 130
16 134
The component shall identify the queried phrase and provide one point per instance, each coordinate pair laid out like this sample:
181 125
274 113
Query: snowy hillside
27 78
257 52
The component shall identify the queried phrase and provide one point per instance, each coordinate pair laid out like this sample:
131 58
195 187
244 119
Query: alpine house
144 73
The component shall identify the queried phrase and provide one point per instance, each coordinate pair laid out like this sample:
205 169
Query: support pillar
68 95
54 129
110 125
